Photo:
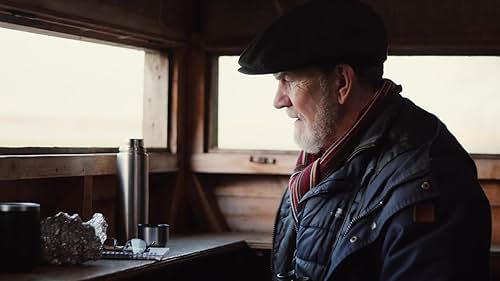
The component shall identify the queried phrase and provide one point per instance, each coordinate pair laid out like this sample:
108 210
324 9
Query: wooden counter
182 250
188 259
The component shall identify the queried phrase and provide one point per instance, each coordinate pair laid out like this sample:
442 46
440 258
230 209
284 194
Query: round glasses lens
136 246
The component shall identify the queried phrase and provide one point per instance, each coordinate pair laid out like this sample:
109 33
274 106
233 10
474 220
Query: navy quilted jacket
404 205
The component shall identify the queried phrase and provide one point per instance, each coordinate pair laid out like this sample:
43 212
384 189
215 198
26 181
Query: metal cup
20 236
155 235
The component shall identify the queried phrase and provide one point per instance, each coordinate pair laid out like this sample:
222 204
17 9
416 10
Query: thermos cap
133 145
19 207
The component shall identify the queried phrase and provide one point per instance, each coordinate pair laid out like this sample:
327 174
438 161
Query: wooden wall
249 202
423 27
153 23
72 195
192 31
442 27
492 190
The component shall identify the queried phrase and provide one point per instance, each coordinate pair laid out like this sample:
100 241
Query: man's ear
344 78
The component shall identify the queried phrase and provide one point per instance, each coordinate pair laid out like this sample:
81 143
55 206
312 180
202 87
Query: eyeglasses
135 246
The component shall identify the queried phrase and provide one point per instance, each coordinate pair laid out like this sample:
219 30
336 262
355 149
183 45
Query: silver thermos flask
132 169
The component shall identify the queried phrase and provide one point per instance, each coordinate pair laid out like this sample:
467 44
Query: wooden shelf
284 163
16 167
240 163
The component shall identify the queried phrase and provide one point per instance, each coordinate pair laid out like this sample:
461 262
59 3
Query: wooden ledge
16 167
283 163
264 163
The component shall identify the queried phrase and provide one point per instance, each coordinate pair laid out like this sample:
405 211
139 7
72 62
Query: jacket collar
372 138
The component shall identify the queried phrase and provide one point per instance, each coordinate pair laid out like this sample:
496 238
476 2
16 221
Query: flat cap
318 33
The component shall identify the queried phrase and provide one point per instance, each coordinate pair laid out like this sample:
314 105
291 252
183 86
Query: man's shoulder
414 124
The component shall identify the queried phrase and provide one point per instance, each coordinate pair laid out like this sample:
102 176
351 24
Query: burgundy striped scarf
312 168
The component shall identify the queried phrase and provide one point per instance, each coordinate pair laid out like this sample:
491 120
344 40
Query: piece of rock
68 240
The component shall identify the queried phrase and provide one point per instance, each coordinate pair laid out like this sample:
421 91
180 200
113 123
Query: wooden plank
242 18
161 187
249 203
155 100
105 189
15 167
175 65
142 23
250 224
211 213
251 186
53 195
487 168
178 90
161 162
495 224
88 183
239 163
240 206
492 191
444 26
423 27
197 96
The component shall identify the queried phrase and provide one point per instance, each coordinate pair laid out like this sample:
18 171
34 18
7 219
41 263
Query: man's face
307 97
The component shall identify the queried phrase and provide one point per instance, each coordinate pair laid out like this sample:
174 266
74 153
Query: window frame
45 162
212 113
215 160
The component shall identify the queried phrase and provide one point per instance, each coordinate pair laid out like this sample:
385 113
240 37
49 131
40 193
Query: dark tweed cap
319 33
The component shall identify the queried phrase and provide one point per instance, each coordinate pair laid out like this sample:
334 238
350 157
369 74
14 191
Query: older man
381 190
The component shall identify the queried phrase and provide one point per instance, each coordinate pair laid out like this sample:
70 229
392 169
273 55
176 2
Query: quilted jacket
405 204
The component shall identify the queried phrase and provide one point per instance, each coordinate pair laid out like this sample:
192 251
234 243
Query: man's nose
281 99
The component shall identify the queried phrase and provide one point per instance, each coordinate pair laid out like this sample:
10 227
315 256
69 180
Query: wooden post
88 185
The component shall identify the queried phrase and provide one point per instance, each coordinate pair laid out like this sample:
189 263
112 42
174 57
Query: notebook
155 253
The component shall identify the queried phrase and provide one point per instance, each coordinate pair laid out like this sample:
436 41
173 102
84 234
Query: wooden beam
155 100
196 90
284 163
426 27
178 92
244 163
208 209
16 167
135 22
488 169
88 184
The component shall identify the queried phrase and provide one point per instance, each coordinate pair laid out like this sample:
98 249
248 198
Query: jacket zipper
359 217
357 151
351 201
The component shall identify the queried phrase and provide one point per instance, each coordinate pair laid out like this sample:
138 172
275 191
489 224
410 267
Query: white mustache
292 113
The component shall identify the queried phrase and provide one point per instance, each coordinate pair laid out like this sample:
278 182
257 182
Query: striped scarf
312 168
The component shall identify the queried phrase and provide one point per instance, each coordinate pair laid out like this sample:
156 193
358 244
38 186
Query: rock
68 240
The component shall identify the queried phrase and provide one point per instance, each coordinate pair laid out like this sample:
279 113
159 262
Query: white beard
312 138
